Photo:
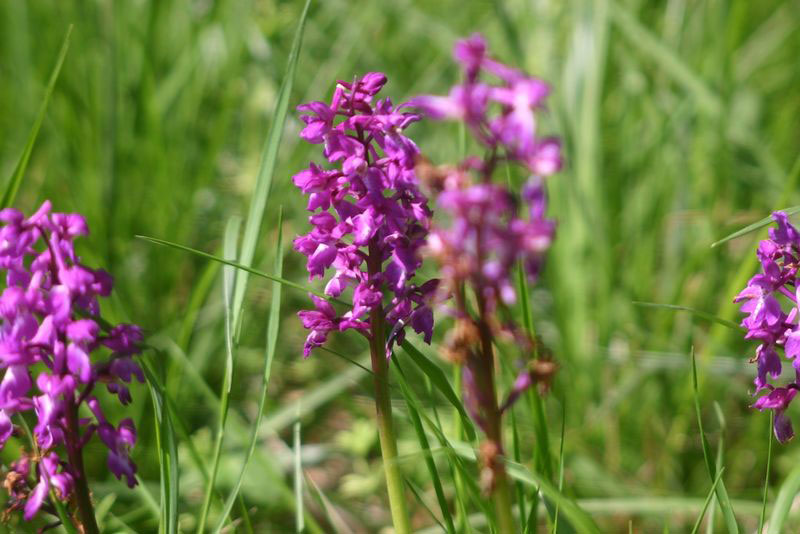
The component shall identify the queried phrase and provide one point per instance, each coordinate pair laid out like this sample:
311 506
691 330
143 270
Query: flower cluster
50 326
491 229
769 324
489 233
370 218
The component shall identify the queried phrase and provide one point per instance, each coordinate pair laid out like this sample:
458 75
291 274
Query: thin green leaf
783 503
542 456
413 413
272 340
754 227
439 380
256 272
12 187
298 480
763 514
707 502
579 519
721 492
561 461
421 501
228 277
167 454
791 178
266 169
336 520
704 315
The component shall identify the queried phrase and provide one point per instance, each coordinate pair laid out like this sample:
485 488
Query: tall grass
680 122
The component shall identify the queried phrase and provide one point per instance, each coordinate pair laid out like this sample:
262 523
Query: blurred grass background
680 121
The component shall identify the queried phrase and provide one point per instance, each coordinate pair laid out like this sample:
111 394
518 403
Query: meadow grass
680 124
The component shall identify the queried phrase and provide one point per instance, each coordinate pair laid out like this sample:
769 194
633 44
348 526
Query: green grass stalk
383 409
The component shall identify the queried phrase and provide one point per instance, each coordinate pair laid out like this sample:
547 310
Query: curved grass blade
12 187
274 278
720 492
272 340
331 514
167 453
413 413
699 313
783 503
298 480
228 277
441 383
763 514
710 496
266 169
791 179
578 518
754 227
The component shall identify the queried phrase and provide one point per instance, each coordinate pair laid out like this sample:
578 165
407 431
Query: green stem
383 408
82 497
484 376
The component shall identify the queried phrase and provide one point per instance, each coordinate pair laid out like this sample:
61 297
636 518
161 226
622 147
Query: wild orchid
491 231
369 222
767 323
56 351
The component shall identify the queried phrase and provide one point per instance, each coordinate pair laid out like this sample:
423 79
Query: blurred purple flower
50 328
491 230
378 221
768 323
489 233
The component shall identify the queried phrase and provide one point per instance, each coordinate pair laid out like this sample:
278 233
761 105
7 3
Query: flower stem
82 497
383 407
500 489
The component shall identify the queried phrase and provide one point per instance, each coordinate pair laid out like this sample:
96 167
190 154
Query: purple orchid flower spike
369 221
369 218
492 230
766 321
51 330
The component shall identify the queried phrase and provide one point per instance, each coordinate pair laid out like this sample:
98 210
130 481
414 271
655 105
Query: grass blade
298 479
578 518
272 340
699 313
266 169
542 455
783 503
766 474
707 501
167 454
228 277
441 383
331 514
206 255
721 492
754 227
12 187
413 414
791 178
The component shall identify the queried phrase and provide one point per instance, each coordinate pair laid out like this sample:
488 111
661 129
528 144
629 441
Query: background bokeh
680 123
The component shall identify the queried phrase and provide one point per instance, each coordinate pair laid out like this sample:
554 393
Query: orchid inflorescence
379 218
768 323
52 330
491 230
